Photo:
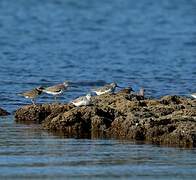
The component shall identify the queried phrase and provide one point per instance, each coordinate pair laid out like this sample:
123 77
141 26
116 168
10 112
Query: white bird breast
81 103
193 95
53 93
103 92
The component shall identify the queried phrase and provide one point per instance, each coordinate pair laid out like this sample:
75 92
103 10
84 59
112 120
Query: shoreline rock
4 112
170 120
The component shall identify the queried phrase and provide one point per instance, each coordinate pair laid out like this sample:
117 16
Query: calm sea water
145 43
26 152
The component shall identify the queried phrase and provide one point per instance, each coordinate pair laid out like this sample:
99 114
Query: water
29 153
145 43
139 43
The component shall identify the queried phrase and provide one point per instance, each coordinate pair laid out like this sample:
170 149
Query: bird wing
104 88
31 93
82 98
55 88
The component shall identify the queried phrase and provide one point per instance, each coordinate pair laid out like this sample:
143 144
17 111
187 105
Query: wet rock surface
170 120
4 112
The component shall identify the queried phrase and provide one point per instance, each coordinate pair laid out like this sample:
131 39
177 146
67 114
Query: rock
79 121
3 112
166 100
170 120
38 113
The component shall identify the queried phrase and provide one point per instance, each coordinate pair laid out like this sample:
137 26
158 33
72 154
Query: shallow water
145 43
27 152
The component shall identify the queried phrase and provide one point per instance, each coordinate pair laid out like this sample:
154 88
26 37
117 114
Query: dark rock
166 100
3 112
79 121
170 120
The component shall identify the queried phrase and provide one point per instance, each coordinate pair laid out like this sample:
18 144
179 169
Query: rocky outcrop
3 112
39 113
170 120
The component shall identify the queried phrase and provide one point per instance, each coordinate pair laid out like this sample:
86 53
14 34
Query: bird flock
58 89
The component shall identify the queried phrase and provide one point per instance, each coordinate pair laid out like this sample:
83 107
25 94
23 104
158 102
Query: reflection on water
27 152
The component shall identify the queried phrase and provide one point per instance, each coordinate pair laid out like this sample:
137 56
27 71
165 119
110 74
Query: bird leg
55 99
33 101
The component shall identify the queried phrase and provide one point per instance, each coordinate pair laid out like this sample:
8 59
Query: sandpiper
108 88
127 90
32 94
56 89
193 95
82 101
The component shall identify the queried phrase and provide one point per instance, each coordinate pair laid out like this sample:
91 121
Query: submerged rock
3 112
170 120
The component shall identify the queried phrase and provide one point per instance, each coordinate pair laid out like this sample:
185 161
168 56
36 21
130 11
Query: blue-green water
149 43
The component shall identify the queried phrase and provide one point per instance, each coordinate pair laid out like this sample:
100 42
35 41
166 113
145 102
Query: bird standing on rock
32 94
127 90
108 88
82 101
56 89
